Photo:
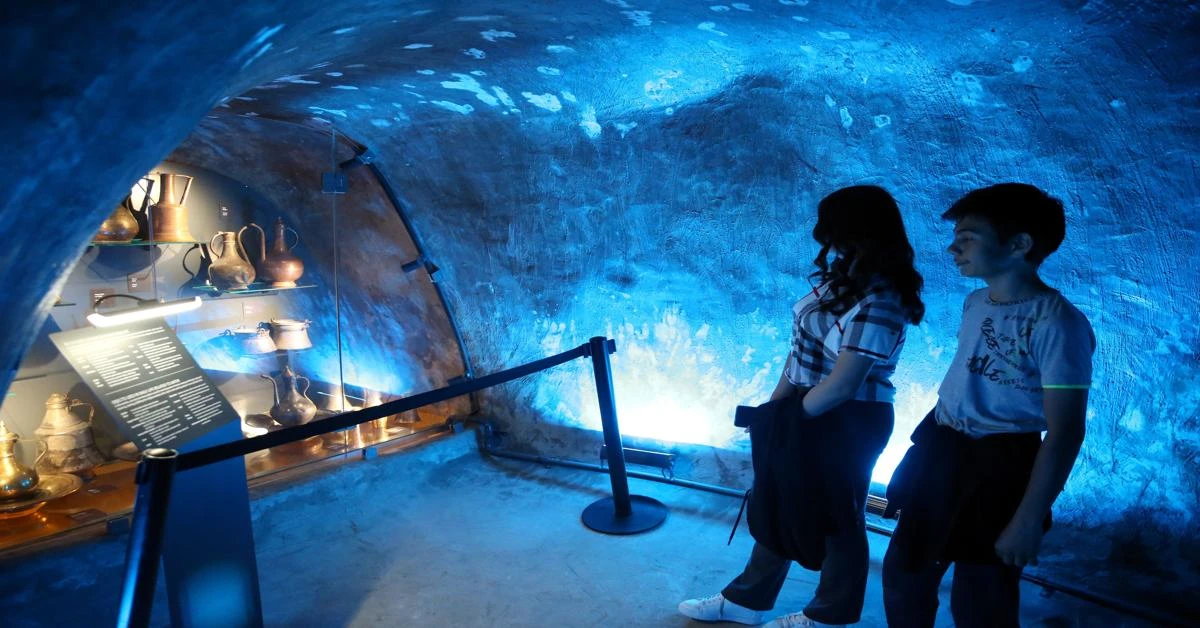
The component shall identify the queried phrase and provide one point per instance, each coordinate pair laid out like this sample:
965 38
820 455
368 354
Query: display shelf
335 444
255 288
143 243
107 495
110 493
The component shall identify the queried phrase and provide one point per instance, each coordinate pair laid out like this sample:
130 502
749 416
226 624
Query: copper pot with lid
290 334
252 340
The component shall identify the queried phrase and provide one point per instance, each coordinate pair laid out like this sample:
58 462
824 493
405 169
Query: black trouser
839 595
955 495
982 596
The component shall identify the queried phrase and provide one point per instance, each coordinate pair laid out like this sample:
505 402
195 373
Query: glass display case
286 329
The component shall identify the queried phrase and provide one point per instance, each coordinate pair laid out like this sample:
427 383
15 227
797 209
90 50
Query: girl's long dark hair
862 223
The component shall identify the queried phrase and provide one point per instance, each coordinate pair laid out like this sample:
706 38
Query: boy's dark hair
1013 208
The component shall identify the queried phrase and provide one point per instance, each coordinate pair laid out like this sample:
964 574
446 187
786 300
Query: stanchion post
616 514
155 474
602 369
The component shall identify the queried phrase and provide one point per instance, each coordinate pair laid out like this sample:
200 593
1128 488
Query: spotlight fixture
419 263
144 310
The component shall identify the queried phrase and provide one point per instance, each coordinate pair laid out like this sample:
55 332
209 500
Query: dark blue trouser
982 595
842 587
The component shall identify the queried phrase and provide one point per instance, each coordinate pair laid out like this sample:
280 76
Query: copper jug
231 268
16 479
278 265
292 406
338 402
169 216
123 224
372 398
70 444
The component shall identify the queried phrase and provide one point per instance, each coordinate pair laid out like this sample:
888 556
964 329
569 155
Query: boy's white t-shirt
1008 353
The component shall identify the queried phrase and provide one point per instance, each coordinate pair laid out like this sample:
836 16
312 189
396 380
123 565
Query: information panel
147 381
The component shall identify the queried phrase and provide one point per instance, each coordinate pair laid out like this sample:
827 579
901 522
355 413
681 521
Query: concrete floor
440 536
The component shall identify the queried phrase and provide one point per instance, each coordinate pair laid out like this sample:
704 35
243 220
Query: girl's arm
849 373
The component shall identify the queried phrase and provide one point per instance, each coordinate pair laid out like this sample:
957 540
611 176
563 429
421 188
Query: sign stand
160 398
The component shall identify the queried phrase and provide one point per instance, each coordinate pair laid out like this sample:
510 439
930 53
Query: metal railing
157 469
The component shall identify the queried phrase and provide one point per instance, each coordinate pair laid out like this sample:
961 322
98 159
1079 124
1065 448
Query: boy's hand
1019 543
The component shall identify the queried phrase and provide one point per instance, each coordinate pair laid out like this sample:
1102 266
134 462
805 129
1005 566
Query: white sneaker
798 620
717 608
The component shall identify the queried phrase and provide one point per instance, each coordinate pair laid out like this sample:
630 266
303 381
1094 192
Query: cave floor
438 535
441 536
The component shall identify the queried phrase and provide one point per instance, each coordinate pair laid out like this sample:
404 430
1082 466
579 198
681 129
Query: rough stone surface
647 171
395 335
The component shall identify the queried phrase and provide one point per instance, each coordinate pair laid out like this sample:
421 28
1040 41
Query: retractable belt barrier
157 468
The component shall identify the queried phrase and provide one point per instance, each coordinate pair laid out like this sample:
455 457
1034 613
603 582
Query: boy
977 485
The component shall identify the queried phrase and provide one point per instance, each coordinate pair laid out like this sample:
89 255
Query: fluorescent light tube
144 312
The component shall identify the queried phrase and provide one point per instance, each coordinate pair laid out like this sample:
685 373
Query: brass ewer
278 265
16 479
231 268
169 216
120 226
70 444
292 406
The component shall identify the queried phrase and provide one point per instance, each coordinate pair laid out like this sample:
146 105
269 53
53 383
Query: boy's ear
1022 244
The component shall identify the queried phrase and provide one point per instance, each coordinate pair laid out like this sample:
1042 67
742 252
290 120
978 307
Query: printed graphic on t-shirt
1005 356
1008 355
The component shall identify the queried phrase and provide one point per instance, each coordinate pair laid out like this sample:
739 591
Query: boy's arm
1066 416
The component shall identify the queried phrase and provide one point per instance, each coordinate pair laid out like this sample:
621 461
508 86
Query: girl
847 334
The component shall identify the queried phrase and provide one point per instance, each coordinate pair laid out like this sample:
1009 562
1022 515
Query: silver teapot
70 444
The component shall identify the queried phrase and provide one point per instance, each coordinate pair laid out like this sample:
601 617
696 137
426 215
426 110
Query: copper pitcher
169 216
231 268
292 406
123 224
70 444
278 265
372 398
16 479
338 402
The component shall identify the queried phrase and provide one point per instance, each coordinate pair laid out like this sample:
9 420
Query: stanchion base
648 513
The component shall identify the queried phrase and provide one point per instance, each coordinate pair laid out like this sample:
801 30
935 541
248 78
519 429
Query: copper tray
50 486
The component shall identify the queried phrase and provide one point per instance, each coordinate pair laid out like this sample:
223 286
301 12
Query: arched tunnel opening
388 198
